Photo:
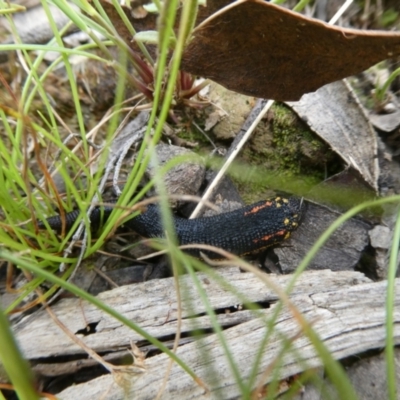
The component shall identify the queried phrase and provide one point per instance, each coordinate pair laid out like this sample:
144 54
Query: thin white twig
231 158
340 12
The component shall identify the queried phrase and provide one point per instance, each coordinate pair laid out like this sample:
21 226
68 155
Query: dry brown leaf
263 50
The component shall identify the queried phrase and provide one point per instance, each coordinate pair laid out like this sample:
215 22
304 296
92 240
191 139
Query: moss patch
284 148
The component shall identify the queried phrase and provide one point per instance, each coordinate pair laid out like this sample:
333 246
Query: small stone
389 108
380 237
184 178
233 111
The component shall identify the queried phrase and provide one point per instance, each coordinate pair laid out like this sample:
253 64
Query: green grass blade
16 367
390 296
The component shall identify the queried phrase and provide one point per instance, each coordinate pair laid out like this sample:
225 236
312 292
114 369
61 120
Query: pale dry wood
152 305
349 320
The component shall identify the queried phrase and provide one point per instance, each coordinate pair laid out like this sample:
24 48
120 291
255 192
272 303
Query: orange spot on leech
263 239
255 210
268 237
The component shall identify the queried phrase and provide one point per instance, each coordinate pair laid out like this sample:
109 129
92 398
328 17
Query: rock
184 178
232 111
380 237
386 122
341 252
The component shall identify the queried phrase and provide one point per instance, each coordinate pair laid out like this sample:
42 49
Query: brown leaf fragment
146 22
334 113
263 50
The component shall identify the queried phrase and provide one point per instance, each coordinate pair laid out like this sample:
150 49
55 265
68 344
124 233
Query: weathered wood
345 308
152 305
349 320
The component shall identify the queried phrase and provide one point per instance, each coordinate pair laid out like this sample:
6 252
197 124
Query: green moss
283 154
285 149
194 135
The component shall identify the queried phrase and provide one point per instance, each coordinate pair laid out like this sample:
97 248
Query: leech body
241 231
